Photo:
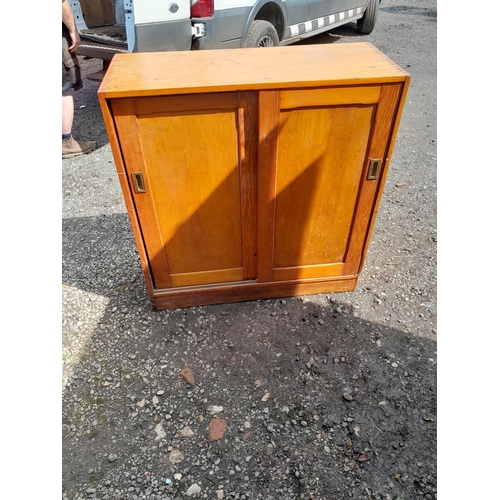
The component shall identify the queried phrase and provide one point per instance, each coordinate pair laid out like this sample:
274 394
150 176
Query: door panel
317 184
296 11
316 194
198 200
322 8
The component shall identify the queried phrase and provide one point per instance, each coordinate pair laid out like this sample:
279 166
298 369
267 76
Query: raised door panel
196 156
318 199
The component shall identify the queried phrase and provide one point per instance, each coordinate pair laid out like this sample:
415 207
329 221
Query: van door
159 25
109 27
129 24
296 11
343 10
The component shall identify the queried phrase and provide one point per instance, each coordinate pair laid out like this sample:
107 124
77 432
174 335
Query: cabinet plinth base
240 292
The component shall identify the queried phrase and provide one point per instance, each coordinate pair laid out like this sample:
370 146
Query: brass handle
138 180
374 169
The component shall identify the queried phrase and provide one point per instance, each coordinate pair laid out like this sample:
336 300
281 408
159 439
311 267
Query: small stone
362 458
188 375
193 490
161 392
327 449
160 432
177 476
112 457
220 494
215 409
186 432
303 423
175 457
155 400
347 396
141 403
201 418
266 396
217 427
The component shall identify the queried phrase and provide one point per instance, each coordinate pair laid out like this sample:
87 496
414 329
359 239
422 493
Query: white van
108 27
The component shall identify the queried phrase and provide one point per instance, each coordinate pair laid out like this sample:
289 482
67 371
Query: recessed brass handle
374 169
138 180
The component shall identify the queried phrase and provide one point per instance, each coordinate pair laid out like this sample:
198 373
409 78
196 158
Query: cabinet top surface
187 72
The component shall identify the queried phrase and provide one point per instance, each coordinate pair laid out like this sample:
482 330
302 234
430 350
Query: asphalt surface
328 396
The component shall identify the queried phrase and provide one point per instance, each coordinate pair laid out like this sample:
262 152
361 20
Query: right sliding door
322 159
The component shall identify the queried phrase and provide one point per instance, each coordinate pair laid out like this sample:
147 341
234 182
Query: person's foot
71 148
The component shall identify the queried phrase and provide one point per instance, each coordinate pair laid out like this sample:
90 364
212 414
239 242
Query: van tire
262 34
367 23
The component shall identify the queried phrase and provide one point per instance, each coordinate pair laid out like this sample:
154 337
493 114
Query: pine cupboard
252 173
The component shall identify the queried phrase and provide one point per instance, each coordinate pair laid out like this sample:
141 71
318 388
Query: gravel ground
327 396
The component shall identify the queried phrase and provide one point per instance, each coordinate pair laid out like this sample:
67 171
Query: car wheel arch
272 11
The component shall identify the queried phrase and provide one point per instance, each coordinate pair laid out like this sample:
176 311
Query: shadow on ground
318 402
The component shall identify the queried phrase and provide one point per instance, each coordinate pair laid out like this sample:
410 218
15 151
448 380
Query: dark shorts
71 74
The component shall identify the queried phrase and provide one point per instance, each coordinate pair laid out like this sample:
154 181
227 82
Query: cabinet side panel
371 189
126 123
122 177
392 142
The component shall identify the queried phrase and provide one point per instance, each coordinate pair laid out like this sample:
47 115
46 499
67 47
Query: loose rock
186 432
217 427
215 409
188 375
175 457
193 490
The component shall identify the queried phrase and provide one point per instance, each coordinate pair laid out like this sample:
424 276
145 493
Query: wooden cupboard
252 173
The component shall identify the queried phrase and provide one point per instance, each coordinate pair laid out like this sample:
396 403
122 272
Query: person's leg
71 82
68 112
71 147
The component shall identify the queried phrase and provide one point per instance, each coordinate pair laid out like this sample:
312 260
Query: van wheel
366 24
262 34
